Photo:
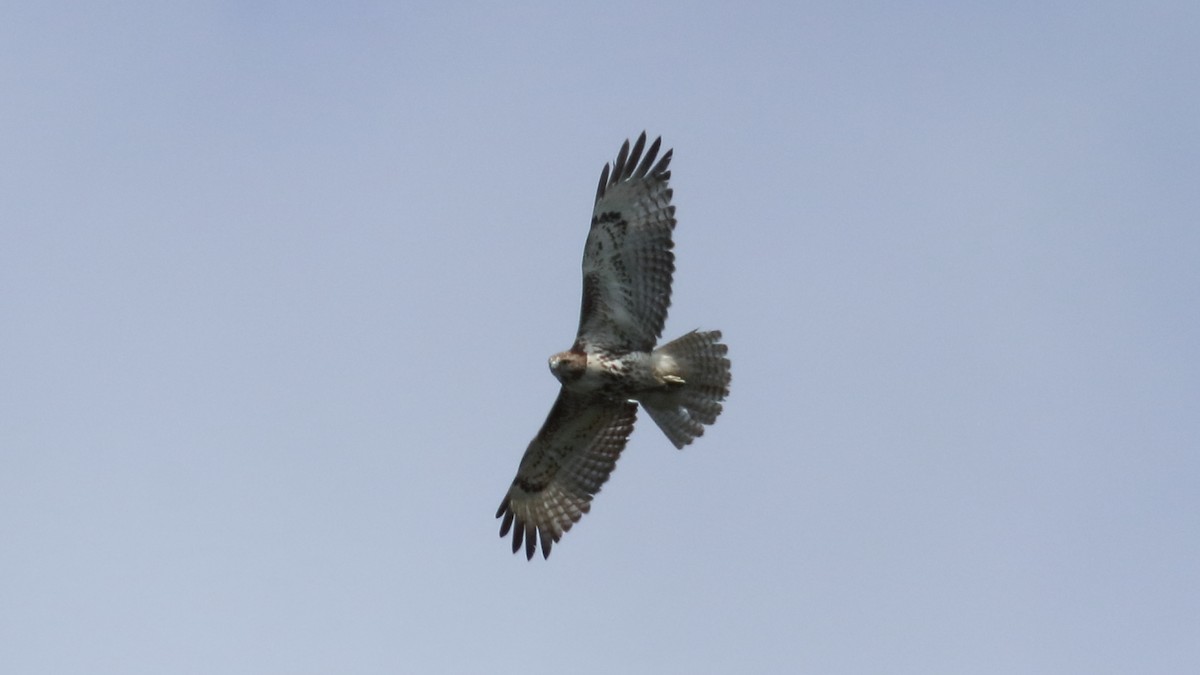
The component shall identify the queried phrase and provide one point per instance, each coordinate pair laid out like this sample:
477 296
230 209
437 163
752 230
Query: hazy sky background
278 282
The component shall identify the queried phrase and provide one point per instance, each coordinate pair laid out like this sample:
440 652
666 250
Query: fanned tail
697 373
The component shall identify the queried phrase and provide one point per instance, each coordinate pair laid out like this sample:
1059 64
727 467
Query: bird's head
568 366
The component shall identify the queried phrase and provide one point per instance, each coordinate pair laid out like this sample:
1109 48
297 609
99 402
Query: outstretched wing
563 468
627 261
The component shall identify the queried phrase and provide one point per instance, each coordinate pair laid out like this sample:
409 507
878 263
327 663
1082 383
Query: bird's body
616 375
614 364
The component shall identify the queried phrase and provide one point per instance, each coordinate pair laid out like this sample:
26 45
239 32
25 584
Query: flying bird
614 364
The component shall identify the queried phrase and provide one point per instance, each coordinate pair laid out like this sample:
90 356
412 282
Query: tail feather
697 373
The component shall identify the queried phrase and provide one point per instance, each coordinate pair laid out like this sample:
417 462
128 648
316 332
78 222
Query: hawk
614 364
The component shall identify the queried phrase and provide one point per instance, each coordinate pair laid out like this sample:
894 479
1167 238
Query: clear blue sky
278 282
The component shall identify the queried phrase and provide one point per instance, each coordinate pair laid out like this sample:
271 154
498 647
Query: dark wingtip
648 160
635 155
631 163
603 183
506 525
530 541
660 169
619 166
518 535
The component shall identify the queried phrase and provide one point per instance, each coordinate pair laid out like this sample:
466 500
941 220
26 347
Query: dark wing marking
627 260
563 468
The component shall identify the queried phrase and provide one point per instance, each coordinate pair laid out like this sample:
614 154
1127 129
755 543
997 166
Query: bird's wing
627 261
564 467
